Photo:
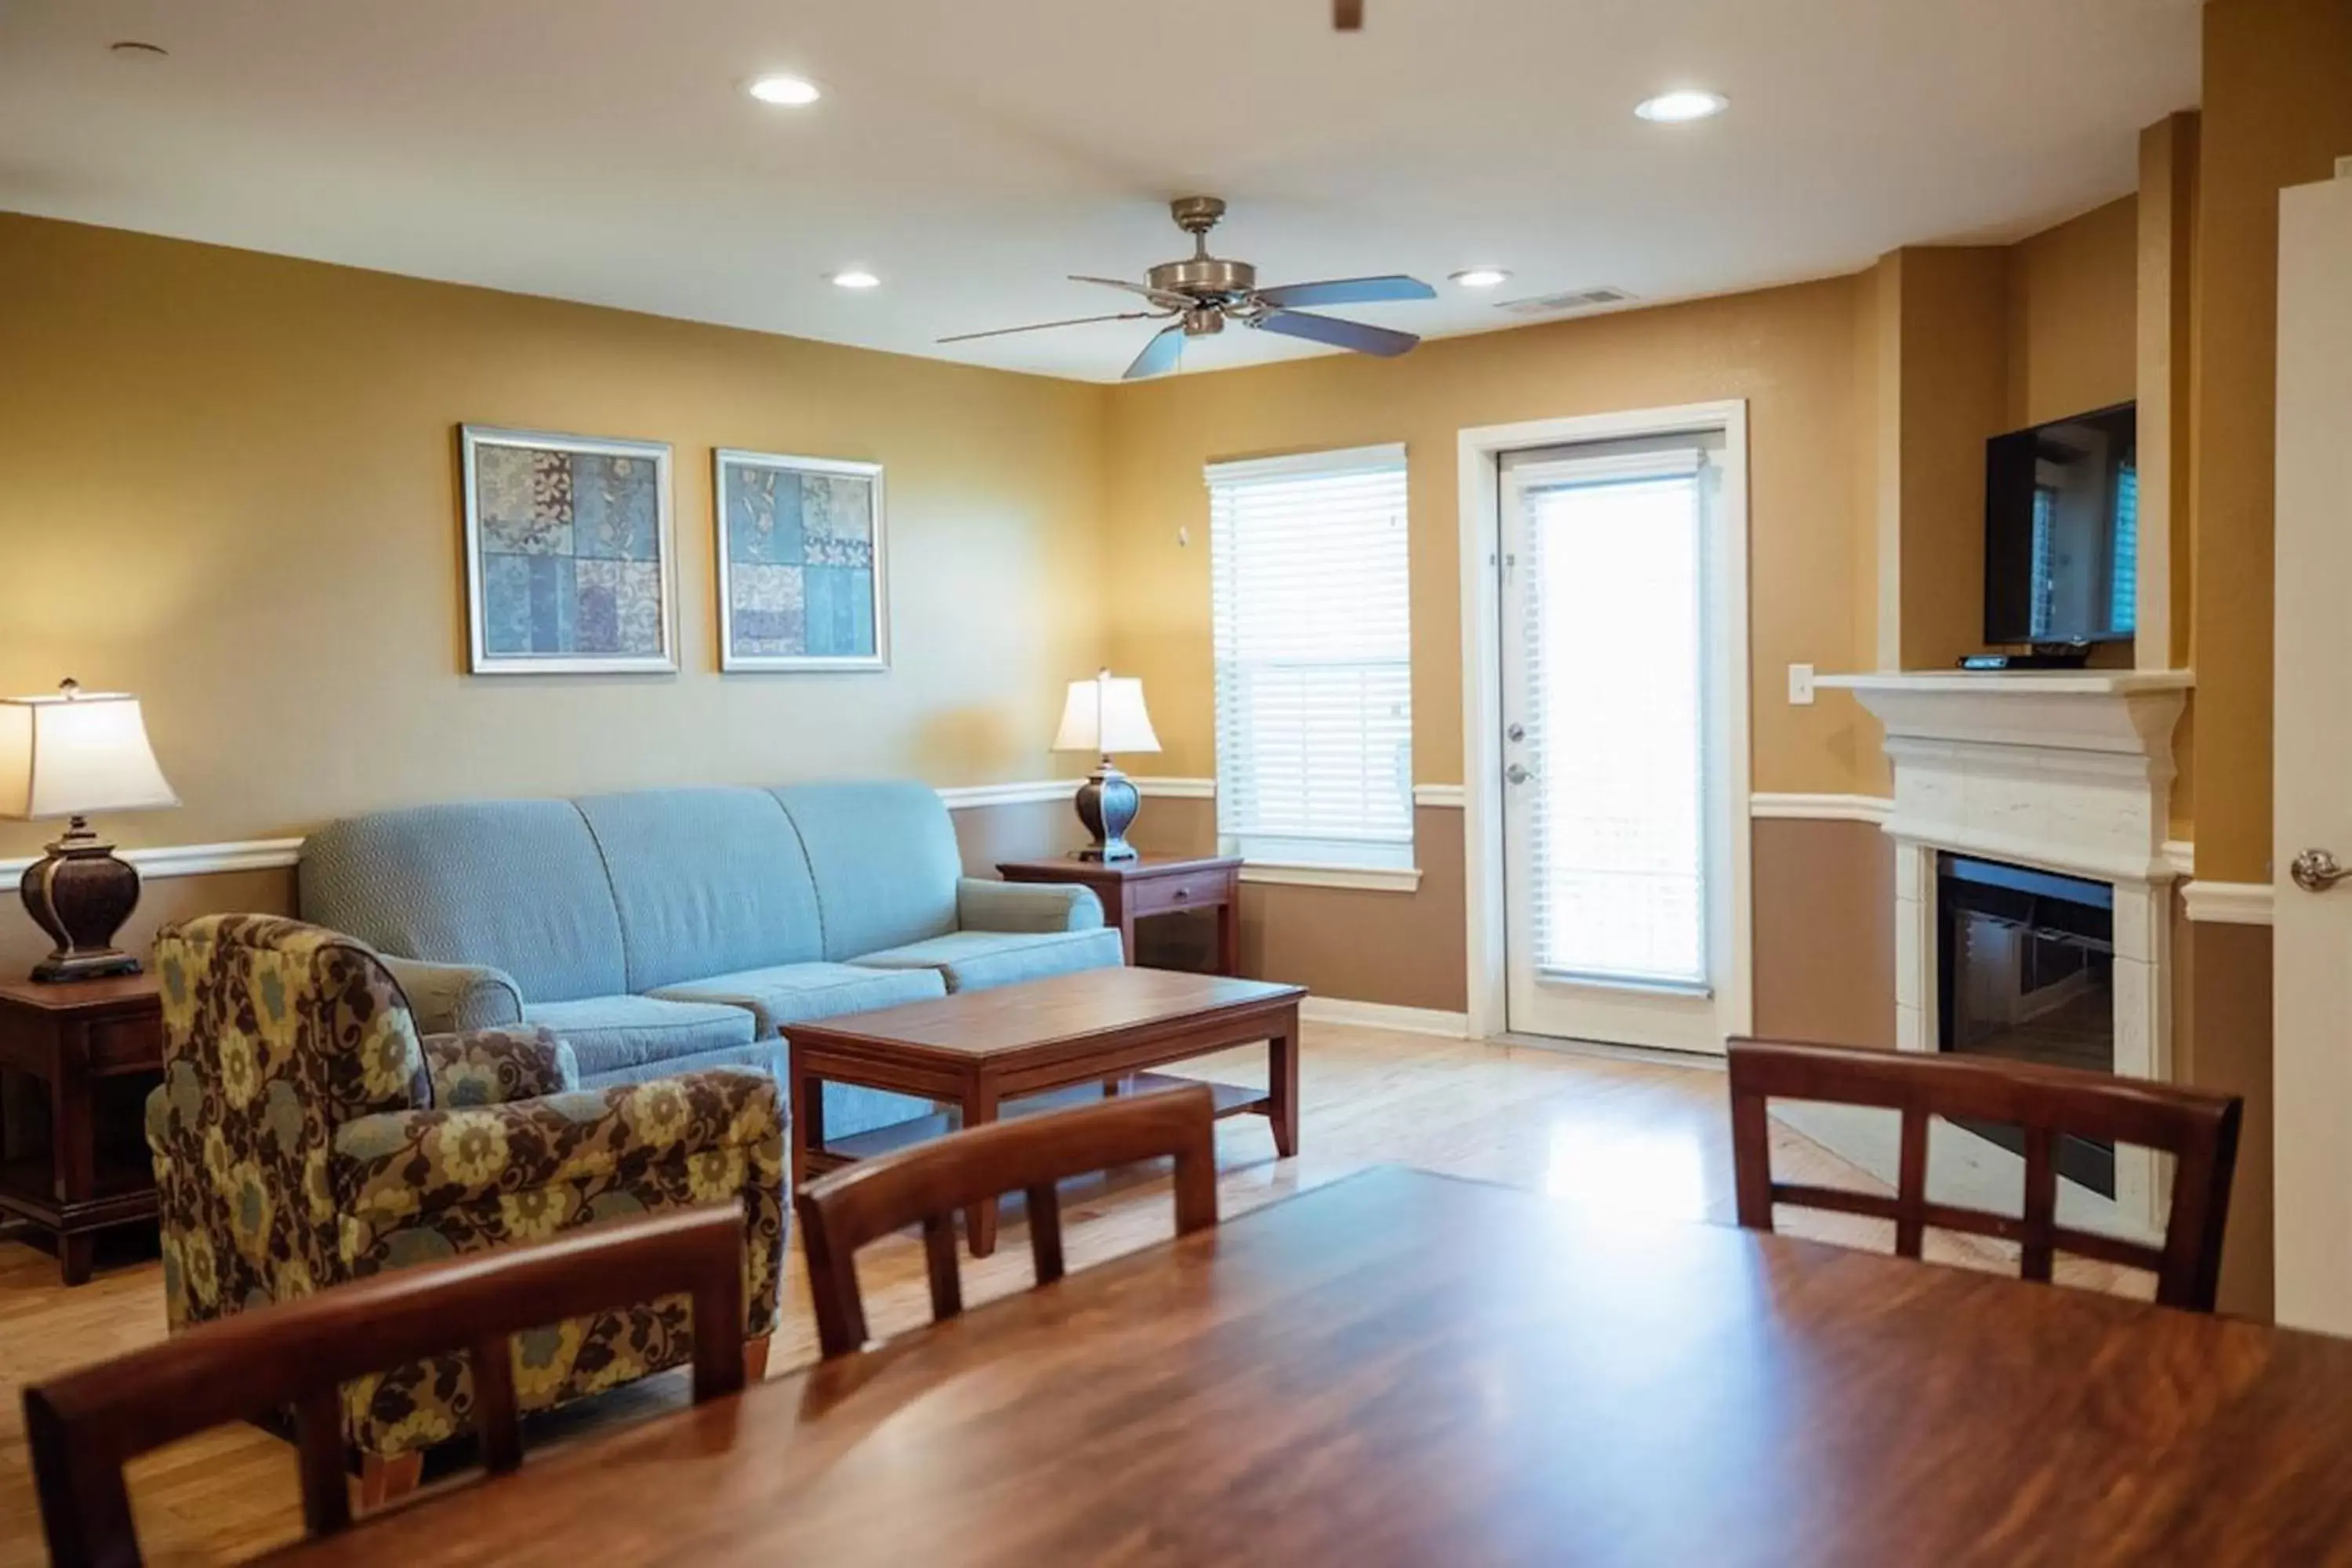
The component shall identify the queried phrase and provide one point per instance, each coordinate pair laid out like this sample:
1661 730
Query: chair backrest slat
86 1423
930 1183
2198 1129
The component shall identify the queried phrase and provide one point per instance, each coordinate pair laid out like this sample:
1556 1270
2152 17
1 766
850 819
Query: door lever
1518 775
2315 871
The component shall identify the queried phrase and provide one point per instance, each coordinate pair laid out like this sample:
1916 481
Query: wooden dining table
1404 1368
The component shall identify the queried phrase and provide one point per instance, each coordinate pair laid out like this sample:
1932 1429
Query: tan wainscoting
1824 896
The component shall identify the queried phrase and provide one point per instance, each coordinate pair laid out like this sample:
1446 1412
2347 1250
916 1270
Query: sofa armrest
449 997
412 1185
984 905
498 1067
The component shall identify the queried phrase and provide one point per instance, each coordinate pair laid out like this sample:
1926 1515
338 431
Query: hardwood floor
1650 1141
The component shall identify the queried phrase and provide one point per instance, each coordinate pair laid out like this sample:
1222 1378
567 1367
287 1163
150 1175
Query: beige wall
1824 956
2072 315
1789 352
2277 112
231 488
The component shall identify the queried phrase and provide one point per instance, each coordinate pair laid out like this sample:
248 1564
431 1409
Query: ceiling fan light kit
1197 295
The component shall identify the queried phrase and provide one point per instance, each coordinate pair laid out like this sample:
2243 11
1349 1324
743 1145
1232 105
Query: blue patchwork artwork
567 545
802 547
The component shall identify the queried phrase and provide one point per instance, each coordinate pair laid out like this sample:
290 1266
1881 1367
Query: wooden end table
1092 1031
1152 885
74 1036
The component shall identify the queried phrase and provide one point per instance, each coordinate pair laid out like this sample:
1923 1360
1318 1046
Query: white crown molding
1359 878
1871 808
1380 1015
2228 903
165 861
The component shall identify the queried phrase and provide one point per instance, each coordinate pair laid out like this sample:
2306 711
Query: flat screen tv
2062 530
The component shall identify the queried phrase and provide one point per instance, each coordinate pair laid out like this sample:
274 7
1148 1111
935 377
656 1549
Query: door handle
1518 775
2315 871
1516 733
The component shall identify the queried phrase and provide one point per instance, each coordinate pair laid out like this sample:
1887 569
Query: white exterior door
1620 678
2312 951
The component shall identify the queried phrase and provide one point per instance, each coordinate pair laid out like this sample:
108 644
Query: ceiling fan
1200 293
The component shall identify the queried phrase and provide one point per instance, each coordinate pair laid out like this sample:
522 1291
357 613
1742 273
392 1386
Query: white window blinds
1614 716
1314 658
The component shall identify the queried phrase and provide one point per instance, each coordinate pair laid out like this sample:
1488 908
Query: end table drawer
125 1045
1194 889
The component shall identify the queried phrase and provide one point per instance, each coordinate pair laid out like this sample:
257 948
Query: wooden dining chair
928 1184
84 1426
2198 1129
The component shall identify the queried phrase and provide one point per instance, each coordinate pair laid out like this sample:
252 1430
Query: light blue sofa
664 931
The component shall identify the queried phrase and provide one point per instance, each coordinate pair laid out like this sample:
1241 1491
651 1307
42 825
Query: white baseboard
1380 1015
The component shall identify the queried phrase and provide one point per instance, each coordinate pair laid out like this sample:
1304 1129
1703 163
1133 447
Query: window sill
1359 878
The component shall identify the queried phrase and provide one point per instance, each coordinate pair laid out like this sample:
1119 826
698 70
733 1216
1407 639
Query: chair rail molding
2226 903
158 861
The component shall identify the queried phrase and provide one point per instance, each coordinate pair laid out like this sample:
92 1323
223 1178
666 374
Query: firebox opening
2025 968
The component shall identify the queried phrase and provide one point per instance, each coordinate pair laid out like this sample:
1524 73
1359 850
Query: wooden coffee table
1009 1050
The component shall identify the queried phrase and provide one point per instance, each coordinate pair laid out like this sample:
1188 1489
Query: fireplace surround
2066 774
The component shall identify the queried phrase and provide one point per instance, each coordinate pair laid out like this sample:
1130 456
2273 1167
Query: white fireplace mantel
2068 771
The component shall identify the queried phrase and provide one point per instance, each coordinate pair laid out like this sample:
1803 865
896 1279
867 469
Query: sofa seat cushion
609 1035
977 959
788 993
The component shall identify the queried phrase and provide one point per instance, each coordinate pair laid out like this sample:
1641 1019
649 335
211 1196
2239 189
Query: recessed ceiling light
791 91
855 277
1689 103
1480 277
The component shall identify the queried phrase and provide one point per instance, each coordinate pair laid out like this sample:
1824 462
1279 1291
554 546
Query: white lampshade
1105 715
76 753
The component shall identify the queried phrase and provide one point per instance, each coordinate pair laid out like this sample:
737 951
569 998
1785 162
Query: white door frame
1479 467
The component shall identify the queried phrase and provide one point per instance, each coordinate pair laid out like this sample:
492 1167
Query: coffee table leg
1282 1086
979 1220
806 1113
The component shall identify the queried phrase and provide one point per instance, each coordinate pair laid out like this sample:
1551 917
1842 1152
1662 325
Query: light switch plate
1800 686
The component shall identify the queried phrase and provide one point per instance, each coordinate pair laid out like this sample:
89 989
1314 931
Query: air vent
1574 299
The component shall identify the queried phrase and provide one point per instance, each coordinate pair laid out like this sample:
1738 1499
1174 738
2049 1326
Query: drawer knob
1183 893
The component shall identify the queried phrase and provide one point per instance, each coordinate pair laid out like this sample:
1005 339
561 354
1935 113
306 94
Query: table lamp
68 755
1102 716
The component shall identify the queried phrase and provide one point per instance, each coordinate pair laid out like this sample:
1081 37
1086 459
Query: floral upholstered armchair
305 1135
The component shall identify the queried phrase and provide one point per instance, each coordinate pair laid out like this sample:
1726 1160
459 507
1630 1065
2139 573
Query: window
1314 660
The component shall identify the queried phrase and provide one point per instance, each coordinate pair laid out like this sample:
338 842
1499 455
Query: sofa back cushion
706 881
884 859
516 884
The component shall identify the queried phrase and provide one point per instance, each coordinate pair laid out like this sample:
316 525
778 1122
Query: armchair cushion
448 998
498 1067
984 905
421 1185
977 959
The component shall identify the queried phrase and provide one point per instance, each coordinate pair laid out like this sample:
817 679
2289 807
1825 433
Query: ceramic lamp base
1107 804
80 894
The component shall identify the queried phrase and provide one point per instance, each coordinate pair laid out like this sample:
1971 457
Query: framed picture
801 577
568 553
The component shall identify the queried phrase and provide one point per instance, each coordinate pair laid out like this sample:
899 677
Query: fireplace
2025 971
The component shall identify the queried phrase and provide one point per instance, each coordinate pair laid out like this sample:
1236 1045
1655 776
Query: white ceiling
972 152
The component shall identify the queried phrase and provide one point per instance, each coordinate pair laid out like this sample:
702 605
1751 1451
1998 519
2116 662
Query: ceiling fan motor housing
1206 278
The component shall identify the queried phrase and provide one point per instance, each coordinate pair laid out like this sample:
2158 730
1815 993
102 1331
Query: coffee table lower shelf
1233 1100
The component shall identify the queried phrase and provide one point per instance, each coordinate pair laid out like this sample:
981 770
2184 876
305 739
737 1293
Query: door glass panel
1615 720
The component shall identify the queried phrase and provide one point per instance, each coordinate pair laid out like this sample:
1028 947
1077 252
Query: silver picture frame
637 648
858 633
